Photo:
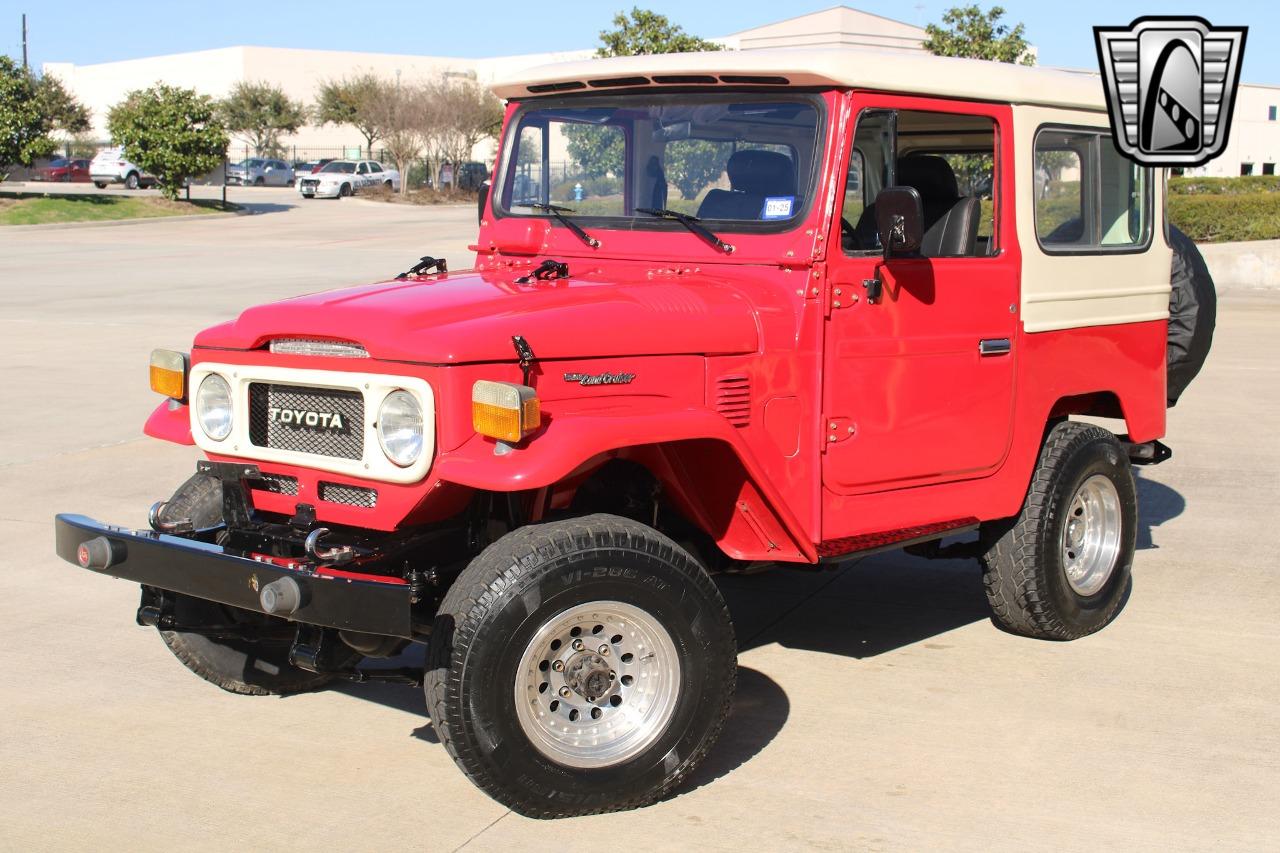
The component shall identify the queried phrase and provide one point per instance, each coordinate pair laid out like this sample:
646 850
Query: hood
471 317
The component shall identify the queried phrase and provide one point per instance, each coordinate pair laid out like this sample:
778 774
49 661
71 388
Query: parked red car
64 171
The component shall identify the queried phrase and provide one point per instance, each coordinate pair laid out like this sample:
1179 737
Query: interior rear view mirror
482 198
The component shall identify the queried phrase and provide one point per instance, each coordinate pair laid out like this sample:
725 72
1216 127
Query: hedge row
1227 218
1225 186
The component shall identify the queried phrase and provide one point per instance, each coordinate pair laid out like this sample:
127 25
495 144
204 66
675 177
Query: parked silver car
260 172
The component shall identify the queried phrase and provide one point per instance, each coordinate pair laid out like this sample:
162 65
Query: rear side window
1089 198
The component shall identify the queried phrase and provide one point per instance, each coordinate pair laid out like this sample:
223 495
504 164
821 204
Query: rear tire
248 667
102 185
1061 568
513 695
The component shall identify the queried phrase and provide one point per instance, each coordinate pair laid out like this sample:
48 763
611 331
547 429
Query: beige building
1253 146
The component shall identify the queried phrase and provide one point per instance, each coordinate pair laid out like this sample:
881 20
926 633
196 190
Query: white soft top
912 72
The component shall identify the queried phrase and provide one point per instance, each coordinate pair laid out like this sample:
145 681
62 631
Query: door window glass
948 158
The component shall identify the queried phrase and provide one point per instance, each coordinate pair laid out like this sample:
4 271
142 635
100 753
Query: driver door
918 384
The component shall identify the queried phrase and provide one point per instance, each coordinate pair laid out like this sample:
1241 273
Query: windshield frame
639 221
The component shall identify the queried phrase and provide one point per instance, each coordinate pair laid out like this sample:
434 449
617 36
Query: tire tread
505 564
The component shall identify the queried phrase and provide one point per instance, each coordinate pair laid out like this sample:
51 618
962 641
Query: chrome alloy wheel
1091 535
597 684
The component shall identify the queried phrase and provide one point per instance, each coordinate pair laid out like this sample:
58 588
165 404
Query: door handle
994 346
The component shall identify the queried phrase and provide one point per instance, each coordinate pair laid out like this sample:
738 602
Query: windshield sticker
778 207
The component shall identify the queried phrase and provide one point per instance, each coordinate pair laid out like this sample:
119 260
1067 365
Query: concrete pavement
877 708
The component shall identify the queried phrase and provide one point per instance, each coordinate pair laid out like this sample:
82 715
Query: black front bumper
208 571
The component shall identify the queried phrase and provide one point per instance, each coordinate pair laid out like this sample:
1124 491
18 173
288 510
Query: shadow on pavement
1157 503
859 609
760 709
255 207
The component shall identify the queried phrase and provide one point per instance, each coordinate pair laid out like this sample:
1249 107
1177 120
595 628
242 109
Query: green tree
60 108
173 133
260 113
32 108
351 100
969 32
643 31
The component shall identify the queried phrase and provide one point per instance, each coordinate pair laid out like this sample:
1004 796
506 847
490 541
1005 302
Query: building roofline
843 67
819 12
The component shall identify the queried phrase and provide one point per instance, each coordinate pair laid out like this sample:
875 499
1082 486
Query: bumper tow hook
340 554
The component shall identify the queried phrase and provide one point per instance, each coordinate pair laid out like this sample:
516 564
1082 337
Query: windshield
346 168
251 163
724 158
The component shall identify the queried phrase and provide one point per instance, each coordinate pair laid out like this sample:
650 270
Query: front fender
170 423
740 509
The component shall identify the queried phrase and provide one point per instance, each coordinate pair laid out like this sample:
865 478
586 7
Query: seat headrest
930 175
767 173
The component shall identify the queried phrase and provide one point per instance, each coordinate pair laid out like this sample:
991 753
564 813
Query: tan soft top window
1089 198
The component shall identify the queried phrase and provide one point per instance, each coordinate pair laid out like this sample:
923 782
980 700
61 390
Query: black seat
950 219
754 175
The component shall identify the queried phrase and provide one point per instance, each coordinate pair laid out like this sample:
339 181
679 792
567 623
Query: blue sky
84 33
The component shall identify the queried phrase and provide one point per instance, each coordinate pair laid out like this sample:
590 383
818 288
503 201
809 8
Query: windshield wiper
559 213
692 223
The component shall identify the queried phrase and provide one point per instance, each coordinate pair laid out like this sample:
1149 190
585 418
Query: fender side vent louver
733 399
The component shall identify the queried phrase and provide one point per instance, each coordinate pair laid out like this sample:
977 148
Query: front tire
344 191
580 666
249 667
131 181
1061 569
102 185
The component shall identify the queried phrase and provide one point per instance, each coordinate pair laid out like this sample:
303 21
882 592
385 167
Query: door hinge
837 429
838 295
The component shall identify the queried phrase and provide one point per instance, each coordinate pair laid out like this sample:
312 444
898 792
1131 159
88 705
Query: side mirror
482 199
900 220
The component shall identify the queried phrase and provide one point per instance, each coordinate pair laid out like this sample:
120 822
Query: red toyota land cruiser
783 307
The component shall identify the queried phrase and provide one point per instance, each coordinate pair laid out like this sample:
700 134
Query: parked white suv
344 177
110 166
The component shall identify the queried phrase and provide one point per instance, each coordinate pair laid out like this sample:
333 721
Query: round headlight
400 428
213 407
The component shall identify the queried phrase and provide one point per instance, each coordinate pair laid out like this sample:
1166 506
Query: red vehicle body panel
744 371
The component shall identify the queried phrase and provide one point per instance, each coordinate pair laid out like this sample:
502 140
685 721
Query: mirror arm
874 286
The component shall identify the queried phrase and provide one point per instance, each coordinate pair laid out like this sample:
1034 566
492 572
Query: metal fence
420 173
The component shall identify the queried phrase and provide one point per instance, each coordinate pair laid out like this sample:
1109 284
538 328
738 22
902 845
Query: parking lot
877 708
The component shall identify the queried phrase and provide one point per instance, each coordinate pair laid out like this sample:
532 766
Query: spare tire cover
1193 311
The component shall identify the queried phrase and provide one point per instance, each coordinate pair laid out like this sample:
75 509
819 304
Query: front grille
321 421
339 493
281 484
310 183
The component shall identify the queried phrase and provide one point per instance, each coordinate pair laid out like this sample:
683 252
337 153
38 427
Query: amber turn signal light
169 373
504 410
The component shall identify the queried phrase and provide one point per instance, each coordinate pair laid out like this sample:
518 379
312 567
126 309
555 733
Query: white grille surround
373 464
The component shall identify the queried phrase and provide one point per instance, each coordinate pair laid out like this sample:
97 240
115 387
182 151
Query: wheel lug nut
604 651
578 645
558 666
565 692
